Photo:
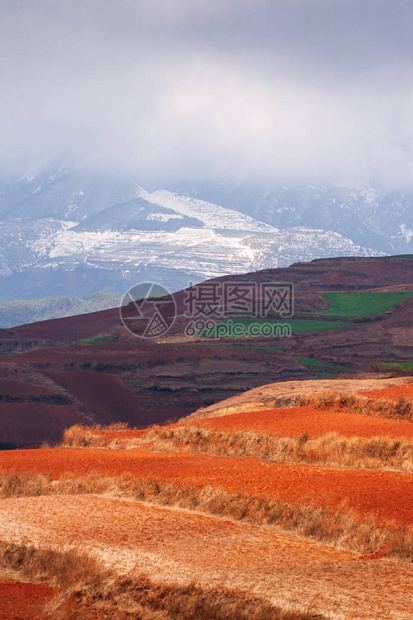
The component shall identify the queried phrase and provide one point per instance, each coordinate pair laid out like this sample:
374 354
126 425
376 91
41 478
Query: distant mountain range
367 215
77 232
23 311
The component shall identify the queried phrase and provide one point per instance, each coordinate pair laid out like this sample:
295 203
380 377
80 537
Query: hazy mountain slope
68 232
20 312
137 214
367 215
17 188
73 197
109 260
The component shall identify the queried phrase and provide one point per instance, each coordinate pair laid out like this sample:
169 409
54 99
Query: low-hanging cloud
282 90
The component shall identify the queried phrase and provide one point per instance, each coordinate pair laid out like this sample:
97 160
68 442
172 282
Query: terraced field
392 393
177 546
299 421
172 505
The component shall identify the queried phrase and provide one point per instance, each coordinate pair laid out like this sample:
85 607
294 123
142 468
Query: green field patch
96 340
402 365
310 362
352 305
399 256
247 328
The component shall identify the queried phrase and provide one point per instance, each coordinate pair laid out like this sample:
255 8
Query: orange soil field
264 397
297 421
385 495
177 546
23 601
392 393
114 527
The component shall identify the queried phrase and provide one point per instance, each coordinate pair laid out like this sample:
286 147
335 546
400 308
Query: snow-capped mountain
369 216
78 232
211 215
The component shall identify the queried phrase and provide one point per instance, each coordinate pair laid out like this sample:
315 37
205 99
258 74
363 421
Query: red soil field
111 524
172 545
385 495
136 351
23 601
297 421
392 393
23 388
264 396
71 328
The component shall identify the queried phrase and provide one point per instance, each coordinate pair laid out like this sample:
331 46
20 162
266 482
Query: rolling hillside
88 368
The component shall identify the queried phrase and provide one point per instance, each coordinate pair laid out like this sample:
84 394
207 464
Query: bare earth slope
288 393
299 421
174 545
323 551
388 495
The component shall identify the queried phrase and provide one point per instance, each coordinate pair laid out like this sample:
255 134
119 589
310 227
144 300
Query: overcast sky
277 90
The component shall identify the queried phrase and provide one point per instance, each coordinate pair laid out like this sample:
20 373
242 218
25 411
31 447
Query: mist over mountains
177 141
75 232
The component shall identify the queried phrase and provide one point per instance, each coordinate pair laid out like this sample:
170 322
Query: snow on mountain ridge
70 242
90 232
205 253
212 215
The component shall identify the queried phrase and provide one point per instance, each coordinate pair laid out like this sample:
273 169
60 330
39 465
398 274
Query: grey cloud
305 90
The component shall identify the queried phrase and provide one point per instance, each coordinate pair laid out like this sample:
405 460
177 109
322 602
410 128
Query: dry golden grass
288 394
60 569
341 529
23 484
191 602
79 436
84 586
330 449
26 484
401 409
